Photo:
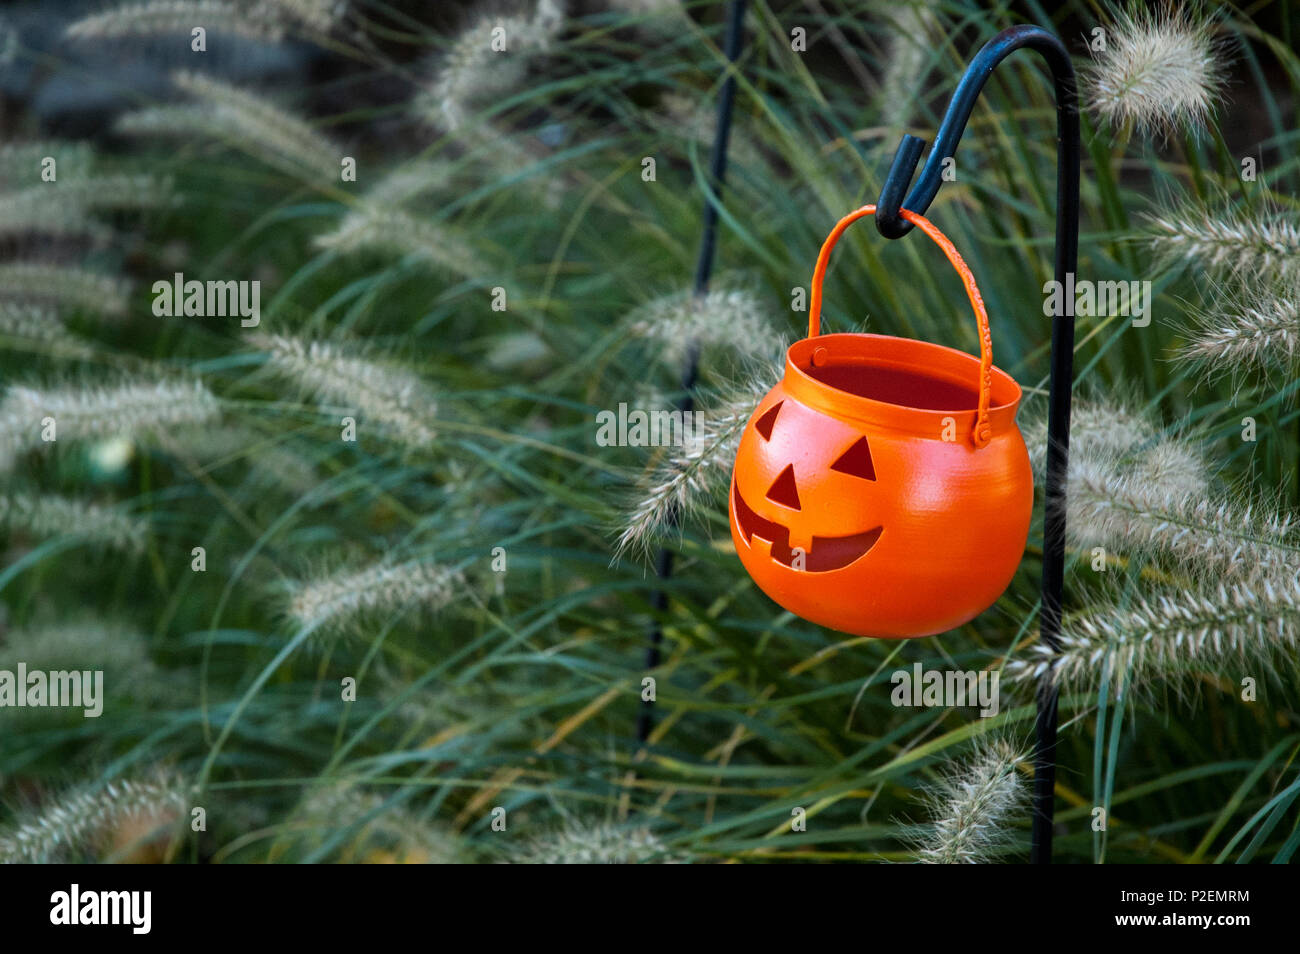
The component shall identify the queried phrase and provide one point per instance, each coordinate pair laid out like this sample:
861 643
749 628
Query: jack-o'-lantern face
804 495
790 515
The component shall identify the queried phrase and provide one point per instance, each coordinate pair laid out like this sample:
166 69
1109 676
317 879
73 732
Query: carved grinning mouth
826 553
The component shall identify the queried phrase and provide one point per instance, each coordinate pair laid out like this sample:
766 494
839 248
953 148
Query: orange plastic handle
983 433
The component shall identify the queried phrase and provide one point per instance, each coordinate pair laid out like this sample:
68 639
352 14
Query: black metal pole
892 225
703 271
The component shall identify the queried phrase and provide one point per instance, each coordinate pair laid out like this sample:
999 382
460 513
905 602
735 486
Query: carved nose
783 490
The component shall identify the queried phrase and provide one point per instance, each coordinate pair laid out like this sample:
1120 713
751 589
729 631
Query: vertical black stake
703 270
892 225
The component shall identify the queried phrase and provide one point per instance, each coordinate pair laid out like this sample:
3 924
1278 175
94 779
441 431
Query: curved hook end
889 222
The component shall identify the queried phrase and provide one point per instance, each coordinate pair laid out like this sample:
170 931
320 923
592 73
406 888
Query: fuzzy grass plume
64 286
971 806
21 162
1136 491
725 318
598 843
254 21
50 515
1261 244
914 28
32 213
65 208
244 121
396 400
383 588
411 180
380 228
1237 629
488 60
140 408
265 20
107 645
39 328
1097 427
318 16
1161 70
384 833
647 7
118 649
258 123
1235 588
658 21
1206 535
687 479
1250 330
96 822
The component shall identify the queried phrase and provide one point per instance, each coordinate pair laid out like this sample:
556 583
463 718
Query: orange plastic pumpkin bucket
882 488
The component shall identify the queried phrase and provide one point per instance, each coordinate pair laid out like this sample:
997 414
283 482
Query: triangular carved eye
783 490
856 461
765 423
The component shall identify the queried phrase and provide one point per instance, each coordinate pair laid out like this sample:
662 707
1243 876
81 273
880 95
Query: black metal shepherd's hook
703 271
892 225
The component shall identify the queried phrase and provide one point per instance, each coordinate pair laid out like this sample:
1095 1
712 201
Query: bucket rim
940 362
